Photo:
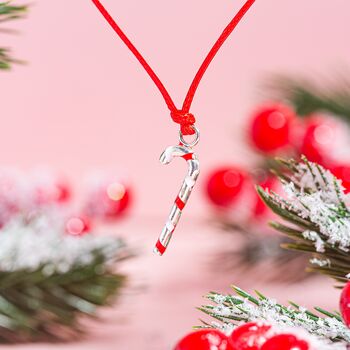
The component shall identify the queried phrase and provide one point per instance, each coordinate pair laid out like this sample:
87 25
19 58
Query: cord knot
186 121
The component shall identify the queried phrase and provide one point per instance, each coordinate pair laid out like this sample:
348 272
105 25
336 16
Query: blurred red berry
224 185
342 172
249 336
270 128
78 225
345 304
49 189
285 342
108 200
63 192
206 339
268 183
319 140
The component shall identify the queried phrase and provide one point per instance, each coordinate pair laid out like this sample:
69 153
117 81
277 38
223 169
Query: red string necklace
182 116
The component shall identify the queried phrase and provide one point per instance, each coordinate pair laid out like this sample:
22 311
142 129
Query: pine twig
50 280
9 12
307 98
317 216
229 310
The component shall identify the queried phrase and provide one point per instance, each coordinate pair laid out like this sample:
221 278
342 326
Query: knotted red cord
181 116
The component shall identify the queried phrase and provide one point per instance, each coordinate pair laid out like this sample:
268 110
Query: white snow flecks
320 262
316 195
320 331
314 237
43 243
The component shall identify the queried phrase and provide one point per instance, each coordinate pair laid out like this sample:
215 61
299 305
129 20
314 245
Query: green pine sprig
231 309
333 259
40 306
9 12
308 98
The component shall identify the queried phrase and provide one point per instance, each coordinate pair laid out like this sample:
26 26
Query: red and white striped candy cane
193 171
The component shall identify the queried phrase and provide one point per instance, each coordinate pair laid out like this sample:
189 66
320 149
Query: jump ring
192 143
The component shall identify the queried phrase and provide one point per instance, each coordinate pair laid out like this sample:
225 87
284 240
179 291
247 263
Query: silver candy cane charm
184 151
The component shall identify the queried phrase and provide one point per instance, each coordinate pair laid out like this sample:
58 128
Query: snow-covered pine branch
43 244
49 279
316 205
230 310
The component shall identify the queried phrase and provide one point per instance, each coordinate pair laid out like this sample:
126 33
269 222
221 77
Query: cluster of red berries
255 335
249 336
276 130
105 198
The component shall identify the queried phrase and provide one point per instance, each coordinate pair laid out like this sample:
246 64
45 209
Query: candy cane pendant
184 151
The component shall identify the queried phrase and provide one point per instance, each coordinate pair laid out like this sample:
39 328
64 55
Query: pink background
83 102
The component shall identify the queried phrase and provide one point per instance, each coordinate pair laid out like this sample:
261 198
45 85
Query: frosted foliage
320 262
319 332
315 195
43 243
25 192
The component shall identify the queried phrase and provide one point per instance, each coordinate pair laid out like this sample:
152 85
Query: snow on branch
231 310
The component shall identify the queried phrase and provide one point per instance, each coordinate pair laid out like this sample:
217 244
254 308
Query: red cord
180 116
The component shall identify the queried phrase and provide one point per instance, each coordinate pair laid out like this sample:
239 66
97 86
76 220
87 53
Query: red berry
224 185
271 127
206 339
285 342
268 183
342 172
118 198
78 225
322 137
249 336
50 189
345 304
108 200
63 192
